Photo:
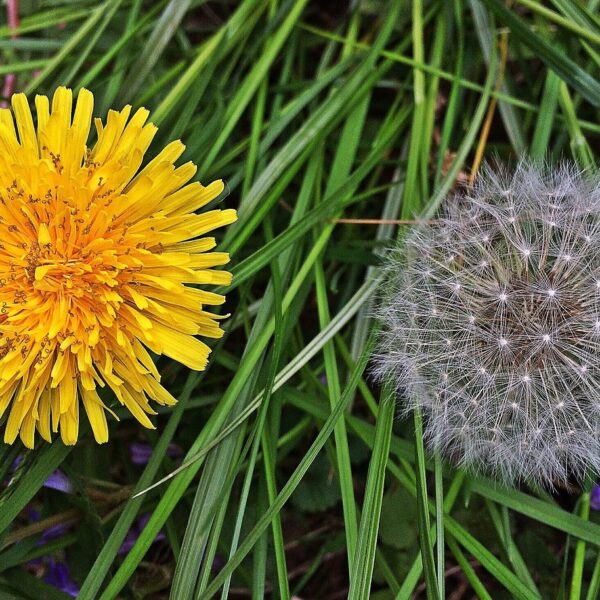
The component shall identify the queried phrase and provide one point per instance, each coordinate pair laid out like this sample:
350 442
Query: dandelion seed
531 358
95 257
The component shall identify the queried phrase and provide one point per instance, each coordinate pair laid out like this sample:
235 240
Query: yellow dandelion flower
95 255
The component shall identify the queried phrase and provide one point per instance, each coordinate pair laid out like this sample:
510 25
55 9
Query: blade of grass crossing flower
296 476
472 545
494 566
361 570
430 111
534 508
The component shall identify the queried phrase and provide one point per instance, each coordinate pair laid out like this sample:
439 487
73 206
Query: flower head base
94 257
491 325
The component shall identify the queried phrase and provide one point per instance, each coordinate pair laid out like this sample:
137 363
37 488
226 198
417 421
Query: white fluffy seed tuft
491 325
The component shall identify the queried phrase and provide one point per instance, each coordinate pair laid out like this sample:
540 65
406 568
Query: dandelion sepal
96 256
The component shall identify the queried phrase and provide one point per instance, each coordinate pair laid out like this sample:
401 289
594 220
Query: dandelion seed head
501 346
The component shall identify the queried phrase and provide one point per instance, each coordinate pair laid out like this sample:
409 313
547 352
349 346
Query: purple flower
140 453
52 533
57 481
57 575
595 498
134 533
55 532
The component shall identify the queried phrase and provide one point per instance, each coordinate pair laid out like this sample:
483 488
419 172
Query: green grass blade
28 478
157 41
545 120
297 475
247 90
362 566
429 570
69 48
569 71
103 563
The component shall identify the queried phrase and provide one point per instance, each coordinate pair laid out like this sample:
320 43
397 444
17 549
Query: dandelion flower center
520 343
96 258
